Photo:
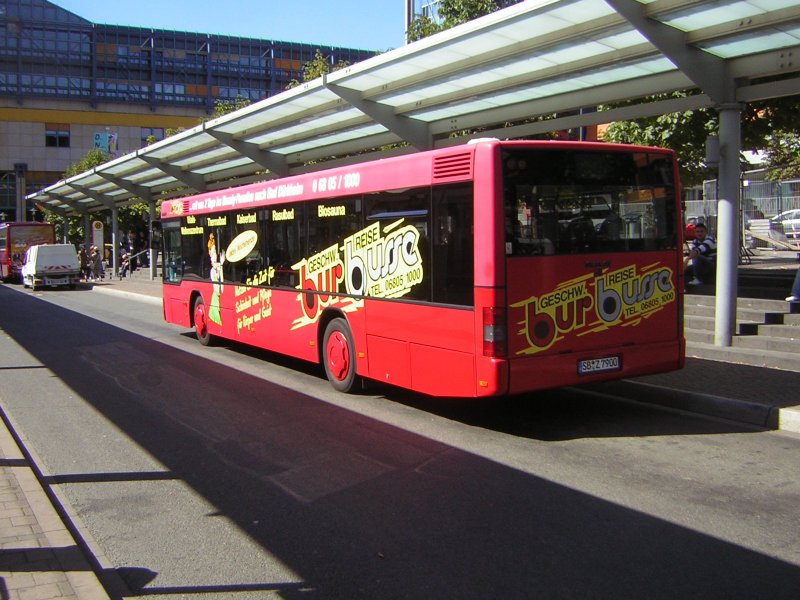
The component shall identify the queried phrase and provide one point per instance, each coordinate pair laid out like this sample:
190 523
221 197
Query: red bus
15 239
496 267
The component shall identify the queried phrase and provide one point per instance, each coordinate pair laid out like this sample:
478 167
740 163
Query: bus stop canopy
538 66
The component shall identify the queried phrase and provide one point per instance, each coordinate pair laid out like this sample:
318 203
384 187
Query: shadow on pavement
359 508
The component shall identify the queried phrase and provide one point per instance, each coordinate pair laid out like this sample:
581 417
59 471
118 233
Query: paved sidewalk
39 557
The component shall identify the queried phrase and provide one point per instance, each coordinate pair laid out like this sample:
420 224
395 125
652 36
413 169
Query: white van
51 265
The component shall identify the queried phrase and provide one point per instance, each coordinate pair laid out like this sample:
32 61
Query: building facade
68 86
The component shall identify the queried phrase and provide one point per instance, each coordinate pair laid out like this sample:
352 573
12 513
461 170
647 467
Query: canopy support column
153 253
114 240
728 223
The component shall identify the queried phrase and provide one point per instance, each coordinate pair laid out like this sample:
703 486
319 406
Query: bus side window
171 257
285 244
452 248
402 208
194 259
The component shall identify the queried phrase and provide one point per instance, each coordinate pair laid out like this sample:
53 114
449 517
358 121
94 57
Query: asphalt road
226 472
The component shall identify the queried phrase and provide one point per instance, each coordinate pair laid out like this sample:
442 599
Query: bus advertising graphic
593 304
371 262
383 264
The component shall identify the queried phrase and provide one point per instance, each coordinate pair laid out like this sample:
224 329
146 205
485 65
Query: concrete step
143 273
789 361
703 336
708 323
791 332
742 313
762 342
698 323
767 334
692 302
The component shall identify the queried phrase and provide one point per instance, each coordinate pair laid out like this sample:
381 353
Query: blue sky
362 24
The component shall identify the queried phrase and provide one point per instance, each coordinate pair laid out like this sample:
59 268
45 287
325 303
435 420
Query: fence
760 200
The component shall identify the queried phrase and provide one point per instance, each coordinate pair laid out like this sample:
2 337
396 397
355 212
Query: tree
772 125
783 153
767 126
223 107
684 132
129 217
73 226
421 27
317 67
89 160
451 13
456 12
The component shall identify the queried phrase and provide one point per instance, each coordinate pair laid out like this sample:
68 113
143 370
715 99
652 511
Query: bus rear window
582 201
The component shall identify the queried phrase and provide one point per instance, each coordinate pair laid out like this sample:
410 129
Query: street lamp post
20 169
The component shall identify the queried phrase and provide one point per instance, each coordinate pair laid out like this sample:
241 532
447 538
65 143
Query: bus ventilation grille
453 166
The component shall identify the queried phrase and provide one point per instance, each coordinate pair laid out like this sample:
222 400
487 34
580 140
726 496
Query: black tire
339 356
200 319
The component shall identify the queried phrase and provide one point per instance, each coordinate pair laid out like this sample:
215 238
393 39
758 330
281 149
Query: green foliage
783 154
317 67
768 126
684 132
421 27
89 161
451 13
771 126
74 225
223 107
456 12
133 216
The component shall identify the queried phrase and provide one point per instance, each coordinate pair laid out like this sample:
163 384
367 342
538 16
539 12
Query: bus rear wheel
339 356
200 317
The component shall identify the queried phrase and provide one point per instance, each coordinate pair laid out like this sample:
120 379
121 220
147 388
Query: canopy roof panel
530 62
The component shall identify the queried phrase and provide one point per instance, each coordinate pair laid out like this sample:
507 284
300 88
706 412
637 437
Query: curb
131 295
741 411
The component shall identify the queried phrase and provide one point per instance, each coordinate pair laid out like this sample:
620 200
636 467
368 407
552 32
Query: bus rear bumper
559 370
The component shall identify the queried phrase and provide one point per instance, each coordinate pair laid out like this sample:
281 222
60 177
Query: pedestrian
795 297
131 246
96 263
700 264
86 268
124 265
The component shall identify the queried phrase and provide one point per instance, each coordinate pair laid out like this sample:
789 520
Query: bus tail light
494 331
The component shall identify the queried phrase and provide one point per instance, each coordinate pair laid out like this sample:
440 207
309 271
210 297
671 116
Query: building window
56 135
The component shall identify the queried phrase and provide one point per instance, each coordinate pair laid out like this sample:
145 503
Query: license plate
599 365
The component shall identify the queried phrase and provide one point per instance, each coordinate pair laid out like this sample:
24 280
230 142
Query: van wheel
339 356
201 322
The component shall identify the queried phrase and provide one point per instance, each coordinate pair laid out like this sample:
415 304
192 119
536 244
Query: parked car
788 223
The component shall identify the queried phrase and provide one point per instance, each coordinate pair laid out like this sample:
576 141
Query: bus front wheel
201 322
339 356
